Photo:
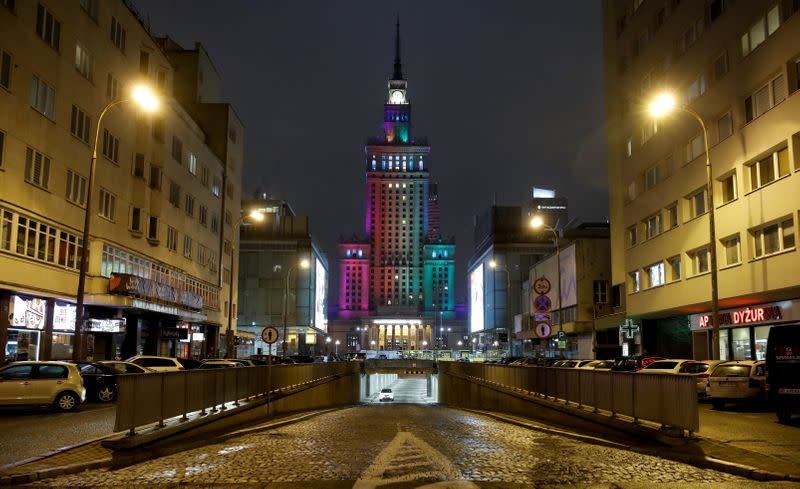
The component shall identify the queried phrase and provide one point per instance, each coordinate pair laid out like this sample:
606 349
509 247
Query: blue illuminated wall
437 276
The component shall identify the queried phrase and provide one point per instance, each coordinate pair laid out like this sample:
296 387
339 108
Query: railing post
613 405
203 393
163 388
580 392
633 399
185 395
132 430
595 376
213 373
236 393
224 392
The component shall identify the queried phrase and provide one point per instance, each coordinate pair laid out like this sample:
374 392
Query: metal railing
669 400
399 364
143 399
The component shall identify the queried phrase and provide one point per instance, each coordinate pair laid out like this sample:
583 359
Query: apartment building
736 64
165 187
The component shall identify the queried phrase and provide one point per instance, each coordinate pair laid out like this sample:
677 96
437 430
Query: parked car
632 364
126 367
783 370
598 365
158 364
57 384
242 361
525 362
508 360
189 363
700 370
670 366
211 364
302 359
740 380
386 395
100 380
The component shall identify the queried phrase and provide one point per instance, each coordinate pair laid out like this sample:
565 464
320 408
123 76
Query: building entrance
405 388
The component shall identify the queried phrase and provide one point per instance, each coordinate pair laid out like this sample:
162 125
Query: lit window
700 260
696 204
773 238
769 169
732 250
635 279
655 274
728 188
758 32
674 268
765 98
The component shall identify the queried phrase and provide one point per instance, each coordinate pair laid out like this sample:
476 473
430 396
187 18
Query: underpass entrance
406 388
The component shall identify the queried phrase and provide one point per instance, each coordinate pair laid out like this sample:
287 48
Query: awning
121 301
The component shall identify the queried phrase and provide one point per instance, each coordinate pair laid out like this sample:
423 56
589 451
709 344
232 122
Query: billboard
320 299
476 299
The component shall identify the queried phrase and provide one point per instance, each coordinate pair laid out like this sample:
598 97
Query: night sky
509 93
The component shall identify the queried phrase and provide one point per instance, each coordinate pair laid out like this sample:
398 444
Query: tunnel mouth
406 388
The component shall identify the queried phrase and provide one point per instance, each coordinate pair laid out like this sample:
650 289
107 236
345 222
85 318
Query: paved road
27 432
753 427
408 389
402 445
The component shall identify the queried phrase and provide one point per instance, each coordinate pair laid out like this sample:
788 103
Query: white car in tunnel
386 395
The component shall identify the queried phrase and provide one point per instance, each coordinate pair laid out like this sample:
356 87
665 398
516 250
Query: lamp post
336 346
661 106
145 99
304 264
255 215
538 223
328 345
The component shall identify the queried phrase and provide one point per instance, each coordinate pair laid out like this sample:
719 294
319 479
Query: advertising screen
27 313
320 299
476 299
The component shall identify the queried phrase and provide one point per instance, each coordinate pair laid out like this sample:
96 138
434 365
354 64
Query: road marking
407 458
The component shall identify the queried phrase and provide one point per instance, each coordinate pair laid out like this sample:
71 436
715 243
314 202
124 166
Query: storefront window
741 344
62 346
761 333
22 345
724 341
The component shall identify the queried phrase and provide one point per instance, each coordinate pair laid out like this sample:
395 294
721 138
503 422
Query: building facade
283 279
736 65
384 274
164 188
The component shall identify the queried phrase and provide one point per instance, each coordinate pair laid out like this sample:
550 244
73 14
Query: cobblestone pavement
402 446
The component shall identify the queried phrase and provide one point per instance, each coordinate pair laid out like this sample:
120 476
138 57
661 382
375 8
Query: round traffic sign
269 334
542 303
542 330
541 286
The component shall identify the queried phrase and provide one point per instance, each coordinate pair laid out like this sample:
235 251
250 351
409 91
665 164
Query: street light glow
256 215
537 222
304 263
144 98
493 264
662 105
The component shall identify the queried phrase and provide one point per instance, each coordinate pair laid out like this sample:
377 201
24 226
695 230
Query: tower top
398 67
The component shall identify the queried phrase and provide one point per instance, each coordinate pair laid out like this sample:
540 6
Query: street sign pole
269 335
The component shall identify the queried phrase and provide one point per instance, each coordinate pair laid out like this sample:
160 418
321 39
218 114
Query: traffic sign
541 286
542 303
562 335
542 330
269 334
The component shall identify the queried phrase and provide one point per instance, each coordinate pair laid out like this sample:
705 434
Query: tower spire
398 68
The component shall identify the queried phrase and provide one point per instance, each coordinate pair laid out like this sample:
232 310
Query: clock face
397 97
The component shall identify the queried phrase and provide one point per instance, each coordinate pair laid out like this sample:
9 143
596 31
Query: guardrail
670 400
143 399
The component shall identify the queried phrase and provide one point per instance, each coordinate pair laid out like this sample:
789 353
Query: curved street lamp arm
108 106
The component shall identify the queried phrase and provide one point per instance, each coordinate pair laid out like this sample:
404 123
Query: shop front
743 331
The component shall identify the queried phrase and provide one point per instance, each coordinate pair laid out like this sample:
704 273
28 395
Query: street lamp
538 223
662 105
304 264
257 216
142 96
336 343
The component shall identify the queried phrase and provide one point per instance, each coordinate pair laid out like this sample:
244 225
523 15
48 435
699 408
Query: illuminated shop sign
64 317
106 325
28 313
764 313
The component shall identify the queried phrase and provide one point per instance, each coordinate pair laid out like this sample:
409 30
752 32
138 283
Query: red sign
743 316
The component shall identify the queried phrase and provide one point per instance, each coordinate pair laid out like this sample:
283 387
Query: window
758 32
600 289
696 88
672 215
158 129
655 274
172 238
144 62
110 146
136 220
79 124
632 236
204 176
189 207
700 260
90 7
192 163
728 188
765 98
692 34
47 27
636 283
651 177
112 87
769 169
76 188
138 165
117 34
155 177
695 148
773 238
732 250
715 9
649 129
84 62
5 70
175 194
652 226
43 97
226 248
177 149
696 203
724 127
214 224
721 65
161 80
106 204
187 247
628 148
152 228
203 215
674 268
37 168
